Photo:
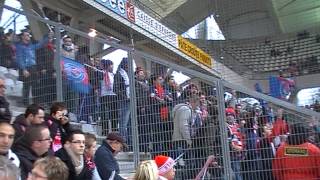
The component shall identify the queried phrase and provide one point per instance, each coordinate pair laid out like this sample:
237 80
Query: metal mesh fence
208 125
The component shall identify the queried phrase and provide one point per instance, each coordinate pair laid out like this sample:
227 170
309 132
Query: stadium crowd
177 124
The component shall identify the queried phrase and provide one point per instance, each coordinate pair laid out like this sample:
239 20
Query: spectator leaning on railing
26 61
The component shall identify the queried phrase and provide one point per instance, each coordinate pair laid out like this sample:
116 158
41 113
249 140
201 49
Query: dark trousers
46 90
144 129
109 113
30 82
71 98
162 137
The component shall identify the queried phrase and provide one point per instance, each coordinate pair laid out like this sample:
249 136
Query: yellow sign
193 51
296 151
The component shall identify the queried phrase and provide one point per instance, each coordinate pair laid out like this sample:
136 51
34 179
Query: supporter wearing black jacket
72 154
34 114
32 146
106 163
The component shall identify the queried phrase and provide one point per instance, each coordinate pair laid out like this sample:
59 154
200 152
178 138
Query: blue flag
76 74
275 87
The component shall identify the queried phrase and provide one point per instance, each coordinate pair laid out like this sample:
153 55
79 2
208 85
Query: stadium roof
239 19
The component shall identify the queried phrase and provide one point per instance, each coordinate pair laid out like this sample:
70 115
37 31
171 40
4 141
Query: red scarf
164 111
107 80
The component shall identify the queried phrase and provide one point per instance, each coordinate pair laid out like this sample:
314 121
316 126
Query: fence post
133 112
223 130
57 66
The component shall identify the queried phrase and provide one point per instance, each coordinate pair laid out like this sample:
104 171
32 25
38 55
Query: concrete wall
254 24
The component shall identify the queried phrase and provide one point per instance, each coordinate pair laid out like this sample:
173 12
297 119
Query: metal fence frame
220 85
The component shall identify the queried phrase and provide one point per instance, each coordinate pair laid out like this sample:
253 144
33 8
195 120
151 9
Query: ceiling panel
162 7
297 15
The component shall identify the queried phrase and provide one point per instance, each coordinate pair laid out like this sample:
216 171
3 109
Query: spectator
147 170
143 110
68 49
89 151
203 107
34 114
46 90
106 163
236 142
72 154
6 141
266 151
190 90
234 99
50 168
173 89
297 158
7 51
33 145
26 62
166 167
108 97
208 141
8 170
93 98
251 164
280 128
5 114
58 124
162 124
121 86
184 119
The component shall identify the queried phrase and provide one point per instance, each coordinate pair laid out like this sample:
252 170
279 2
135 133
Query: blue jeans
236 167
124 117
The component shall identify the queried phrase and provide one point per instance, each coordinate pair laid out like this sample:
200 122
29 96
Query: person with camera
58 124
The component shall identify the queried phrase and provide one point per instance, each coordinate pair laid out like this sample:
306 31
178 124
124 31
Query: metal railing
157 115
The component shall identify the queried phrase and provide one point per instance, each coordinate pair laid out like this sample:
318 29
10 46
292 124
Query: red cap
164 163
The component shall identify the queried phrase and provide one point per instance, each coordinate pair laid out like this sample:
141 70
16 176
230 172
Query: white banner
153 26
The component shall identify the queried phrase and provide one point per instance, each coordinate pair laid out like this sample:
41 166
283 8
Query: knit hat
164 163
230 112
106 63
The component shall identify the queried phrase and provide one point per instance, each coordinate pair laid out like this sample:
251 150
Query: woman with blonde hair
147 170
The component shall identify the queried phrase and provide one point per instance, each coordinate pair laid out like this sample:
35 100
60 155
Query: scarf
125 77
107 80
164 111
78 162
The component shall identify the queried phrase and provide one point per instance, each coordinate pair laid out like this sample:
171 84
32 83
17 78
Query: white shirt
107 91
13 158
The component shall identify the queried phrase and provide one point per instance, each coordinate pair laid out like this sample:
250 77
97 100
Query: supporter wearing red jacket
280 127
297 159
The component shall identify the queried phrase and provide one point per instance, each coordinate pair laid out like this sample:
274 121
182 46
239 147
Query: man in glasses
5 114
72 154
33 145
